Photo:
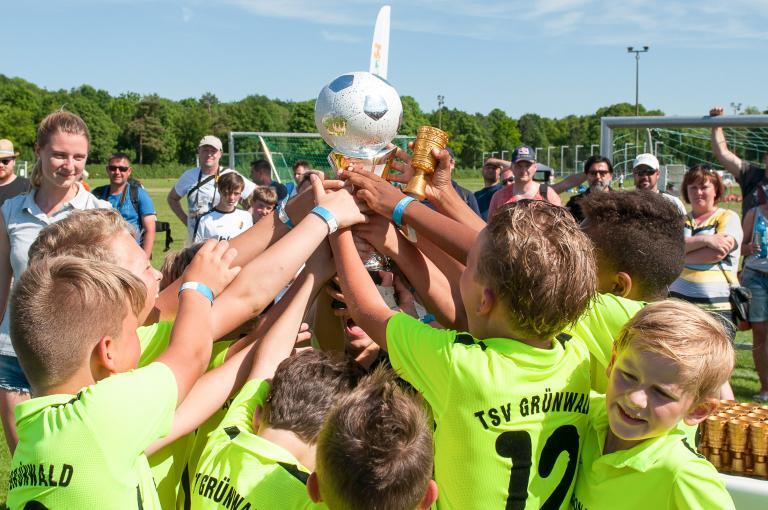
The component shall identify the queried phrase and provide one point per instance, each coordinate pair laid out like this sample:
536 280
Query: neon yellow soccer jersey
599 327
509 417
662 473
87 450
239 469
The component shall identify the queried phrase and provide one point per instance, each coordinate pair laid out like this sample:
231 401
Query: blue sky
551 57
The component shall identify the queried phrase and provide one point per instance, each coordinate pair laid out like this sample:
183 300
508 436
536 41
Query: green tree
148 132
302 117
413 117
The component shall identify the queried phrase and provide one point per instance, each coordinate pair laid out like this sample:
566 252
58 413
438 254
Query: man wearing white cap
199 185
10 184
646 172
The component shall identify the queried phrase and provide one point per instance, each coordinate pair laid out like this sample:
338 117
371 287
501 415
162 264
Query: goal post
680 141
286 149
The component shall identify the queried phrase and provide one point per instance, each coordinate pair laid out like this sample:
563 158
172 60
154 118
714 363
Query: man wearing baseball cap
646 172
199 185
10 184
523 168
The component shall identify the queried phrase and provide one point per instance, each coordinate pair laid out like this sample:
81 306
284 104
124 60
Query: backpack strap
543 188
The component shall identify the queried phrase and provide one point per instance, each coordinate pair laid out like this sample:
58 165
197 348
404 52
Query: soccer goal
285 148
680 142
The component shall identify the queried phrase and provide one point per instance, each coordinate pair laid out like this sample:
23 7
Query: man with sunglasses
599 172
10 184
130 199
646 171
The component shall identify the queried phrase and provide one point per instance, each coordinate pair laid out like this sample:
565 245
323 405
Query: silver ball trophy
358 114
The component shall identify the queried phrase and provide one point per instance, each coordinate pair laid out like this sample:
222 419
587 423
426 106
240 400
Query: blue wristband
328 217
428 318
397 212
283 215
199 287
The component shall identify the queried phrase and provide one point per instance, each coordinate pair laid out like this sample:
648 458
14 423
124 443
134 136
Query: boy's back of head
639 233
540 264
689 336
84 234
375 449
61 307
303 390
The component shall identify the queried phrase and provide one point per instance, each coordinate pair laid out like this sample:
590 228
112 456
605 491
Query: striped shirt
707 285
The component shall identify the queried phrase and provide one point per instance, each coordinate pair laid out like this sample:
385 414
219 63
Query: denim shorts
757 282
12 378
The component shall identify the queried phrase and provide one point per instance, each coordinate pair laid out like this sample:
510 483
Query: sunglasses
7 161
508 180
115 168
644 171
601 173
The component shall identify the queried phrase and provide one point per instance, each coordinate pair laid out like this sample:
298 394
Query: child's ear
487 302
622 284
700 411
430 496
313 488
104 357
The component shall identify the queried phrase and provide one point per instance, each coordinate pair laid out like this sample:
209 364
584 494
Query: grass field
744 380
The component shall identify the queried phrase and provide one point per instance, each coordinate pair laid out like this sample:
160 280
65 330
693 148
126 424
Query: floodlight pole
549 151
562 159
440 103
631 49
592 148
576 159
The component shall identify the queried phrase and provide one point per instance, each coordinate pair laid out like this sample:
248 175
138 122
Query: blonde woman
61 149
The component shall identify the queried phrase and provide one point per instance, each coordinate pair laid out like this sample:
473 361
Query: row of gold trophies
735 440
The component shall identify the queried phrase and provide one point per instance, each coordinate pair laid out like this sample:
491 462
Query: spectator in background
755 278
10 184
491 172
523 168
300 168
199 185
464 193
61 148
713 238
599 171
506 178
646 170
130 199
749 176
261 173
225 220
263 202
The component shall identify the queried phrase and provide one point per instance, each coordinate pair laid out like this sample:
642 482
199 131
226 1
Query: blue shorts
757 282
12 377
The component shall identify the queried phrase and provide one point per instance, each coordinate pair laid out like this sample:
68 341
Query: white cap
212 141
647 160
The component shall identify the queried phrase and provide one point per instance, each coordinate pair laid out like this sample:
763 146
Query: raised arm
569 182
365 304
453 237
189 349
723 155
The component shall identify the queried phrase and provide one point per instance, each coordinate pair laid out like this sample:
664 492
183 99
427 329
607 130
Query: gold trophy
758 437
423 162
716 440
737 442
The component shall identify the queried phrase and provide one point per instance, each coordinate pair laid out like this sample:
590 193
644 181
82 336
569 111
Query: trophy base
380 163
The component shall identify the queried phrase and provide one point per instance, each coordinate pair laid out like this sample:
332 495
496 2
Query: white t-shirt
207 196
678 203
220 225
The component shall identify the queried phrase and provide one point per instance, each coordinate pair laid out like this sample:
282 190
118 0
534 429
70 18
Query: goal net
286 149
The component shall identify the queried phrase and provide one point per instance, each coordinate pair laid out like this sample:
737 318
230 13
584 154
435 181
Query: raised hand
211 266
339 203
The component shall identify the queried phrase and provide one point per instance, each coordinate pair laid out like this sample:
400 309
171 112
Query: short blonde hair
266 194
684 333
375 448
61 307
84 234
56 122
540 264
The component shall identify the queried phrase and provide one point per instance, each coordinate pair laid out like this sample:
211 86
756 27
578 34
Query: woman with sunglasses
61 149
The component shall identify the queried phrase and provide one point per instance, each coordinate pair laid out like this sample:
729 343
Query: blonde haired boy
83 435
669 363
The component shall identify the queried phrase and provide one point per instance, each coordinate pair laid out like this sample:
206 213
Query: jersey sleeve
421 355
698 486
203 232
240 413
132 409
731 226
146 206
184 184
